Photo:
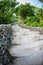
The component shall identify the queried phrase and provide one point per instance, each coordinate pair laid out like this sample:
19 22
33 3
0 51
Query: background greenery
11 11
7 11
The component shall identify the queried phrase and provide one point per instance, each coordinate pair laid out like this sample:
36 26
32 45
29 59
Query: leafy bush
32 21
7 9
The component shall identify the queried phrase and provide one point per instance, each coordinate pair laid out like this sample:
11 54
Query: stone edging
32 28
24 26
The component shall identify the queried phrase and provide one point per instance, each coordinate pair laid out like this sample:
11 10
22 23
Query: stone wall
5 33
5 41
32 28
27 43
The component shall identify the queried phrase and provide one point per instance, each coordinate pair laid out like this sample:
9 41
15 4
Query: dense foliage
24 13
33 16
7 9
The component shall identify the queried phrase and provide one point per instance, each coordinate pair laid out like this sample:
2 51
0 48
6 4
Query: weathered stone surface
5 35
27 46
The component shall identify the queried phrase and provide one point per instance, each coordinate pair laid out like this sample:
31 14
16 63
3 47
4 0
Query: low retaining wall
32 28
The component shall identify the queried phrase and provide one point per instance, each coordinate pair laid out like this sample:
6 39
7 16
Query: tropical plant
7 9
39 14
25 10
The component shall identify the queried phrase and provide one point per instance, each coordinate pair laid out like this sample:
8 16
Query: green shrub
7 9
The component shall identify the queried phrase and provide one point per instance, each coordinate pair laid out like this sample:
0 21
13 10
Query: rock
5 35
27 46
